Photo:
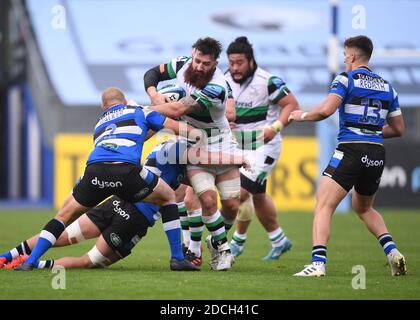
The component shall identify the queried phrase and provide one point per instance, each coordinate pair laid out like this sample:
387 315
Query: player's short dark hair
241 45
363 43
208 46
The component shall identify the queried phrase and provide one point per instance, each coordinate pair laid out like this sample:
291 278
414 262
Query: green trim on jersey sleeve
277 89
176 64
202 100
282 92
171 71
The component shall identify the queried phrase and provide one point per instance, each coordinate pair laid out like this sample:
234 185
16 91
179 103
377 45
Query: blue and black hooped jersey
120 133
367 100
166 160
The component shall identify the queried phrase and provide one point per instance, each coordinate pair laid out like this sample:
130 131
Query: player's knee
189 203
208 201
163 196
180 193
246 210
191 200
97 259
168 195
230 208
171 196
74 233
359 208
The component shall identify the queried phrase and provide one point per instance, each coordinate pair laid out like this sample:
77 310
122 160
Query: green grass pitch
145 273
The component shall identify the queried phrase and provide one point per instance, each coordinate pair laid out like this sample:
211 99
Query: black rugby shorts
359 165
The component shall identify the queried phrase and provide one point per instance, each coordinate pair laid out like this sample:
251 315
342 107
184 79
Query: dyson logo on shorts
372 163
120 211
106 184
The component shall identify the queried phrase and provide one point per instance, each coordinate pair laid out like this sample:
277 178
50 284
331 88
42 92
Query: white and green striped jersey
212 97
256 102
256 99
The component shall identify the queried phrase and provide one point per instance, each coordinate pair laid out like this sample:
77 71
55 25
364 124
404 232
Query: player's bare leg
263 206
204 185
80 230
266 213
228 184
243 221
329 195
101 255
363 205
163 195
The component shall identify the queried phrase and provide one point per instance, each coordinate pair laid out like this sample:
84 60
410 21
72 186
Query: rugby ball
174 93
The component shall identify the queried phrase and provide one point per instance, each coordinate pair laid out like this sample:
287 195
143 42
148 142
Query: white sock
277 237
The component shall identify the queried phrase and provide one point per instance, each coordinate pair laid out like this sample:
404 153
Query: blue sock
319 254
174 239
41 246
385 240
46 240
172 227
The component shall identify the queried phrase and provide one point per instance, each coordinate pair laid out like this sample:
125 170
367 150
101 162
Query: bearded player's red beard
197 79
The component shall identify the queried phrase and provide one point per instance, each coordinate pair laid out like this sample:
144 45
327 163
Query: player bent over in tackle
120 224
204 108
113 168
366 102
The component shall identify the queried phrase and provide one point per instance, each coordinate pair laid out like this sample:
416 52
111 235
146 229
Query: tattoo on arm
191 104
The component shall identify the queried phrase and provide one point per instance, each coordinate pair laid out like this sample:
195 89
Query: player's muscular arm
230 110
394 128
323 111
287 105
152 78
177 109
191 105
156 97
180 128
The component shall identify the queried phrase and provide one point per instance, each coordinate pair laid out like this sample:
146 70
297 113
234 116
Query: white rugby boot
213 252
225 261
397 263
316 269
